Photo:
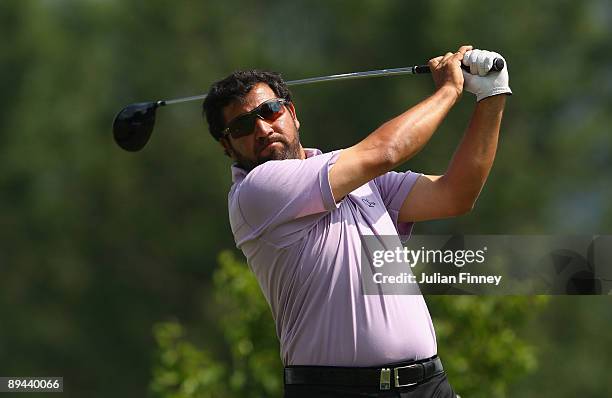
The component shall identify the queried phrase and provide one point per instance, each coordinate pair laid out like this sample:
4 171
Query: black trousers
436 387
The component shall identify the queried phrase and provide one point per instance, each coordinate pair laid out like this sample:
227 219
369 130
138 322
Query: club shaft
344 76
354 75
498 64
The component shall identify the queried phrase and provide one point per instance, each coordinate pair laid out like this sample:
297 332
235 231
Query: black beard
288 151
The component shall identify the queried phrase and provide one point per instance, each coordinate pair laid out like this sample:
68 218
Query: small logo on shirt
367 202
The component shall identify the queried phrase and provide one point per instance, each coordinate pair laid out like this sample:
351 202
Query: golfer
297 215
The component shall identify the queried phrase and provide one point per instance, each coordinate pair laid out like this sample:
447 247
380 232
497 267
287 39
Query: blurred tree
253 367
483 343
183 370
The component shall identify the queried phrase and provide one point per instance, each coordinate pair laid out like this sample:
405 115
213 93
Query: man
298 215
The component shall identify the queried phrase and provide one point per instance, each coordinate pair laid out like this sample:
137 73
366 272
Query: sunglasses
244 124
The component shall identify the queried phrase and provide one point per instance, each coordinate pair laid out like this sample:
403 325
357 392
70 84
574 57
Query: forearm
405 135
473 159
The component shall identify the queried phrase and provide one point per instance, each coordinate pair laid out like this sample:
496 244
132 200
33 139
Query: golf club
134 124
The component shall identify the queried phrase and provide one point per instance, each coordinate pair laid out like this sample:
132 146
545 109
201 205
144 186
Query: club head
133 125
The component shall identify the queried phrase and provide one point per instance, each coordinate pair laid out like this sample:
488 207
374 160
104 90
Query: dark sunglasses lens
271 110
244 125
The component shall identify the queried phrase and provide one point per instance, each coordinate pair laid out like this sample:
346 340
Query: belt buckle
385 379
396 375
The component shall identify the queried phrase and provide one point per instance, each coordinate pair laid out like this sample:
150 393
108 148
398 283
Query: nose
262 128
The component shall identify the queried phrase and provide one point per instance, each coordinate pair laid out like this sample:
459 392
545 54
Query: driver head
133 125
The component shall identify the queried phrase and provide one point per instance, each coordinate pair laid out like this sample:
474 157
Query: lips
269 145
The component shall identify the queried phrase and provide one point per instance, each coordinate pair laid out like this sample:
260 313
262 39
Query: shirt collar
239 173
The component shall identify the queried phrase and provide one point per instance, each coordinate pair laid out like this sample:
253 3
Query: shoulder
275 174
279 192
269 177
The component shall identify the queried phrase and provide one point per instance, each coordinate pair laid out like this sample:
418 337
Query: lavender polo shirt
305 251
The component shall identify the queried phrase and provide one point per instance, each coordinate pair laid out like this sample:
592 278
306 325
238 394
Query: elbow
460 197
389 158
394 153
464 206
385 157
464 209
389 149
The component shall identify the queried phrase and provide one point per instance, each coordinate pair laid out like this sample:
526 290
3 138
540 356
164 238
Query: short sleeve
280 199
394 187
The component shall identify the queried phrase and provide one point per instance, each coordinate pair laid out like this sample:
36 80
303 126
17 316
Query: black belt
396 375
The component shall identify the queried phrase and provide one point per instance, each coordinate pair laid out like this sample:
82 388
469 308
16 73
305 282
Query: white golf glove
479 80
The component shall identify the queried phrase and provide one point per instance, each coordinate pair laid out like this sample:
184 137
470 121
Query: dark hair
235 87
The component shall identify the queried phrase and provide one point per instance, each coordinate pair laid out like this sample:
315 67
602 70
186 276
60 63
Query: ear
227 147
293 114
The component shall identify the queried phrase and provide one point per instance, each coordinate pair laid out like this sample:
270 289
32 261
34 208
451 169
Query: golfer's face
271 139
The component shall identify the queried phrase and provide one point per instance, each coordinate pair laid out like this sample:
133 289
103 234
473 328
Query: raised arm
402 137
456 192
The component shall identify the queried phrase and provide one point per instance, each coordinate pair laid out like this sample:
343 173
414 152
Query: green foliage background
109 267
